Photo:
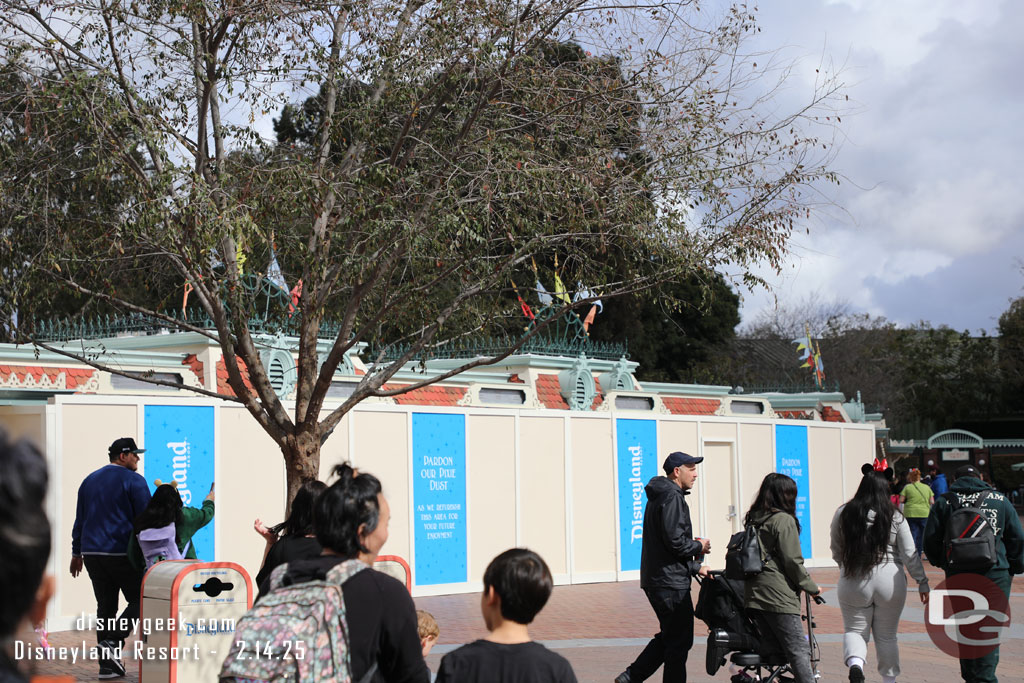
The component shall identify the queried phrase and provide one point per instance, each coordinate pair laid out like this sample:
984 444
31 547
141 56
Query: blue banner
439 498
637 456
180 447
791 460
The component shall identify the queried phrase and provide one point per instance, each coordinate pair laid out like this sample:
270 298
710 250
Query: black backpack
743 557
970 539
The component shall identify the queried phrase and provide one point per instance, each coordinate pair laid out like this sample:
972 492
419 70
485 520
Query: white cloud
933 175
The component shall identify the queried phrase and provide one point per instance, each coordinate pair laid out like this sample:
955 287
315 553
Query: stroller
730 630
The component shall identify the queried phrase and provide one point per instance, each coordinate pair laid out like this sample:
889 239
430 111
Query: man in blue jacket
108 501
939 484
670 556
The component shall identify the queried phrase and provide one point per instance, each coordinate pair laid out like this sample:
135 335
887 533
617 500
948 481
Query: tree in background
674 337
1011 356
453 149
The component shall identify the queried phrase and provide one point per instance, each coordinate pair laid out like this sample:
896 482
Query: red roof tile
549 392
223 387
691 406
830 414
430 395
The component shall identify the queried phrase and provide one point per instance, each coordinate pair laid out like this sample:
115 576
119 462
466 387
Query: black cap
125 444
678 459
967 471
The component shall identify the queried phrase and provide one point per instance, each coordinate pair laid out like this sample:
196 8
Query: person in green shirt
165 508
917 500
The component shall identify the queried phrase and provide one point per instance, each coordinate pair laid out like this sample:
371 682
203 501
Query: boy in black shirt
517 584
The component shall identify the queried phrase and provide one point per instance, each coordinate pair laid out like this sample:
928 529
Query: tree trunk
302 460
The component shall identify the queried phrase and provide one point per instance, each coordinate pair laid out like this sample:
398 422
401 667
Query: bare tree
456 144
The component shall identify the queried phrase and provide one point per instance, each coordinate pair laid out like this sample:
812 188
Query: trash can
187 619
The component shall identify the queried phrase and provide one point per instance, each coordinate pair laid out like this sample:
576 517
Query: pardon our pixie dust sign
439 498
180 447
791 460
637 443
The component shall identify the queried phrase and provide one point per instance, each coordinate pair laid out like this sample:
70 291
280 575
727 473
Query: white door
720 514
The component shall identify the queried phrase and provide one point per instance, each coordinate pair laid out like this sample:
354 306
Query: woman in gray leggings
871 542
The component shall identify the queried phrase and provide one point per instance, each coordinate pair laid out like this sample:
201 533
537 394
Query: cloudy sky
928 223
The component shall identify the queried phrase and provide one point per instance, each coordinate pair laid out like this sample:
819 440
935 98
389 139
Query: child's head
428 630
521 581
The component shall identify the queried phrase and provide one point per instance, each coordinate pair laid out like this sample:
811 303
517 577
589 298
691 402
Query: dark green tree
674 337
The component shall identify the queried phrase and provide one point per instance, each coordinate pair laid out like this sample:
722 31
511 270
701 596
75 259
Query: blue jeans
917 525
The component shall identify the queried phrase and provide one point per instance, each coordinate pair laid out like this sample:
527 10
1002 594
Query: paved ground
601 627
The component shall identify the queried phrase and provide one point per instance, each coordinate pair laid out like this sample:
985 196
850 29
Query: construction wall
463 483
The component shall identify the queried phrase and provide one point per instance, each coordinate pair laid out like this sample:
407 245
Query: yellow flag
560 292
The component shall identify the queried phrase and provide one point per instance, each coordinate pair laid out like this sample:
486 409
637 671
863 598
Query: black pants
111 574
672 644
983 669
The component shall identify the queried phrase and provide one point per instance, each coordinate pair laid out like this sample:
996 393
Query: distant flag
810 354
560 292
583 293
542 294
803 347
274 273
819 366
296 295
527 311
184 300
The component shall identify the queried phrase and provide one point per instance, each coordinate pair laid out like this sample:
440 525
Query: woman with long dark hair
871 542
165 509
294 538
772 597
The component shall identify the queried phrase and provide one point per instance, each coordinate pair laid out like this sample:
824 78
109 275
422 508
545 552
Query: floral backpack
296 632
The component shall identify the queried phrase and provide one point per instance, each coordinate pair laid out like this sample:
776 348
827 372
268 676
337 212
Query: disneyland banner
180 447
439 498
637 460
791 460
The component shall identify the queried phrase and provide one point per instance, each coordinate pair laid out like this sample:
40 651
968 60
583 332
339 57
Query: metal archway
955 438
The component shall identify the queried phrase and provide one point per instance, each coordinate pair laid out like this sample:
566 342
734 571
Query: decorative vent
275 374
618 379
280 367
577 385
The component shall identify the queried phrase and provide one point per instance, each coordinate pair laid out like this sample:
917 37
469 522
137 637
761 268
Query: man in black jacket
670 556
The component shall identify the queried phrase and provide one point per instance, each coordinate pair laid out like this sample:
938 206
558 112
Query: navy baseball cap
124 445
678 459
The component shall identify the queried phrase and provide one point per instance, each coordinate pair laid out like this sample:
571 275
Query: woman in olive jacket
772 597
